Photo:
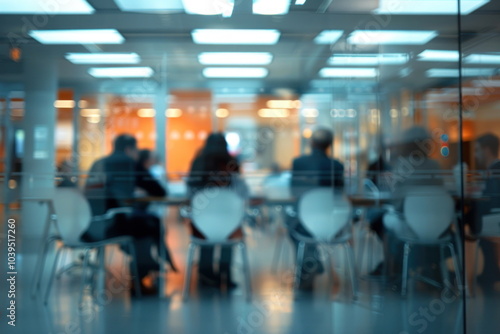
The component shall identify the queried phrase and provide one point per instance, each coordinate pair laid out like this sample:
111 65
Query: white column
40 84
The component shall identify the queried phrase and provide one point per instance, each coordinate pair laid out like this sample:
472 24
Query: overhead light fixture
454 73
235 72
428 7
273 113
121 72
271 7
394 37
300 2
328 36
151 6
236 36
235 58
67 7
209 7
85 36
310 112
173 113
439 55
369 59
64 104
483 59
103 58
222 113
90 112
146 113
283 104
330 72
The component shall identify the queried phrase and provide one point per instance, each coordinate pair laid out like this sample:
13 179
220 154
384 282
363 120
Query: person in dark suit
111 184
486 156
215 167
310 171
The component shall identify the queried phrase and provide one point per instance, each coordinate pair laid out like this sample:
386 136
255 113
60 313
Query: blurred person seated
213 166
486 156
111 184
149 185
311 171
412 168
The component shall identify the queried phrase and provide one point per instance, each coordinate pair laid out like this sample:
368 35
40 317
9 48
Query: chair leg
278 249
85 265
298 266
444 270
37 277
456 264
361 250
476 265
52 274
135 274
248 277
406 256
352 269
187 278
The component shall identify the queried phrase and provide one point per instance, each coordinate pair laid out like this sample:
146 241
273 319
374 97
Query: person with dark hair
215 167
486 156
311 171
111 184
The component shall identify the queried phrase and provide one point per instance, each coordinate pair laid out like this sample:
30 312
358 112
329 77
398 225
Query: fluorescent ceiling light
146 113
103 58
482 59
395 37
283 104
235 58
271 7
235 72
328 36
428 7
173 113
300 2
454 73
278 113
150 5
236 36
64 104
121 72
348 72
209 7
90 112
45 7
369 59
439 55
85 36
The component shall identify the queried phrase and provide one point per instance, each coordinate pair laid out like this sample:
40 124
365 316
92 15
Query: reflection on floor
274 309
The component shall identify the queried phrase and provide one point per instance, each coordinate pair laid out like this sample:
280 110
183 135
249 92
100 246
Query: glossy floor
273 309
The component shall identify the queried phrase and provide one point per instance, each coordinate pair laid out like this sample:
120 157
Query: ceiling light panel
328 36
235 72
391 37
150 5
121 72
66 7
439 55
330 72
483 59
103 58
85 36
236 36
428 7
235 58
271 7
369 59
454 73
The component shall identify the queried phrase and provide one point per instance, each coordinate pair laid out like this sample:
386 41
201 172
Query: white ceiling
297 59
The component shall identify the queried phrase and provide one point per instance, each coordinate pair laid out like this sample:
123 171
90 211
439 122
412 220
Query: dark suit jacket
145 181
110 183
316 170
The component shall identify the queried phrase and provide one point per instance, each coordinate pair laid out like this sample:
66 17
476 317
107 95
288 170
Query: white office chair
429 212
73 216
217 213
324 215
490 230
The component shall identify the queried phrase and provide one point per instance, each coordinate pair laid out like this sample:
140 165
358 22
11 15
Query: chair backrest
428 210
324 213
491 224
217 212
277 187
73 213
